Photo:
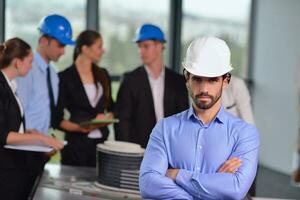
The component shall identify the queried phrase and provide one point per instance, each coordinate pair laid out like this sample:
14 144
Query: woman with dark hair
85 91
16 175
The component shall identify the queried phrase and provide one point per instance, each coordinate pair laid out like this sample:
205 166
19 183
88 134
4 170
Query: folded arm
153 181
225 185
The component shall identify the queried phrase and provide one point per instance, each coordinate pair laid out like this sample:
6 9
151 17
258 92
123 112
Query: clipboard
98 122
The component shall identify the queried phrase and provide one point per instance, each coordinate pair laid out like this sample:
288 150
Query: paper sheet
36 148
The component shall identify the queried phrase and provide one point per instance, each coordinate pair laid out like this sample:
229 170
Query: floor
273 184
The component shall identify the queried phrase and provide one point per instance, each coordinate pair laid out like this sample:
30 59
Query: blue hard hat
149 32
58 27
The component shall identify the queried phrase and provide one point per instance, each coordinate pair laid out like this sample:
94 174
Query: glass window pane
118 26
22 19
229 20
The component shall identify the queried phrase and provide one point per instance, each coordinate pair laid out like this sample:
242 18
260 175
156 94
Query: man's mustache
203 94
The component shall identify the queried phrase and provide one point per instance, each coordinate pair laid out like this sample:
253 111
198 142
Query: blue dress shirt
182 141
33 93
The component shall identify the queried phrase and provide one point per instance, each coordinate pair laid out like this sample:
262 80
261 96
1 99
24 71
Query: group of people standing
33 98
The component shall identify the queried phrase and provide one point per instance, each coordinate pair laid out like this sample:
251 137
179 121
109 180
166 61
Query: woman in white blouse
15 169
85 91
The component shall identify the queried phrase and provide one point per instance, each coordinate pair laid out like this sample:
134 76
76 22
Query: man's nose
204 86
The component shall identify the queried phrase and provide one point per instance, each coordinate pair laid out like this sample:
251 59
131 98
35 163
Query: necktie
51 98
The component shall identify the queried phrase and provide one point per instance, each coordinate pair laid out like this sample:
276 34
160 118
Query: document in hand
98 122
36 148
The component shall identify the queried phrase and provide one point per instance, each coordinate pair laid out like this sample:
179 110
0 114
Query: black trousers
36 161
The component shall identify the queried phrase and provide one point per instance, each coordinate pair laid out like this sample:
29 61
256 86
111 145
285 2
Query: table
60 182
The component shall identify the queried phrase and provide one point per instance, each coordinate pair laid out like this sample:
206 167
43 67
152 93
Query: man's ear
185 75
43 41
228 77
159 45
187 84
225 82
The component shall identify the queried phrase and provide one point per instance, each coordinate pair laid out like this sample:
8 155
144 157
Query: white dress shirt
157 88
93 96
33 93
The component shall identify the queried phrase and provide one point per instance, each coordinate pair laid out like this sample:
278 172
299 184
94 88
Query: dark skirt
16 184
80 151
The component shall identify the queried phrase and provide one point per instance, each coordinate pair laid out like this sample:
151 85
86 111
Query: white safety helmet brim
193 70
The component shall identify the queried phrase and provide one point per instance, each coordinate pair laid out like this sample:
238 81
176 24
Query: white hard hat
208 57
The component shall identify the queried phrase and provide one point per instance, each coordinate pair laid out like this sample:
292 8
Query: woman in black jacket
85 91
16 175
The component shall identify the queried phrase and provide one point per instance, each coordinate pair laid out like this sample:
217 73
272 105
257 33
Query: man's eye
196 79
213 80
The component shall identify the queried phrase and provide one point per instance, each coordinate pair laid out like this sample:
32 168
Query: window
22 19
228 20
119 20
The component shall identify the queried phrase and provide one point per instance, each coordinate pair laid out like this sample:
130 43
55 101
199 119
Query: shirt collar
12 83
221 115
40 61
162 74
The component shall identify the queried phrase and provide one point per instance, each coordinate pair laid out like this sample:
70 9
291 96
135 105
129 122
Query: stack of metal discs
118 165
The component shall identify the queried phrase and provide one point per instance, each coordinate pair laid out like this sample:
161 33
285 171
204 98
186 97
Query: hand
231 165
100 116
172 173
109 115
89 128
84 129
50 154
31 131
46 140
51 142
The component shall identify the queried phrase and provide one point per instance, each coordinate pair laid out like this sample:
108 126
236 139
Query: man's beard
207 104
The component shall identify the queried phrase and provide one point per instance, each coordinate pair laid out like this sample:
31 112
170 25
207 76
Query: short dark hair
224 76
49 38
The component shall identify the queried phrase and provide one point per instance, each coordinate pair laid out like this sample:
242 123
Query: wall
276 72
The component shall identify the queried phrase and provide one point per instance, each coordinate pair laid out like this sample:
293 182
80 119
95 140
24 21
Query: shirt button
200 147
198 168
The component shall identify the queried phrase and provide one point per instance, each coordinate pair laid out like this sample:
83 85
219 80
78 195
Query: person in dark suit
150 92
85 91
16 173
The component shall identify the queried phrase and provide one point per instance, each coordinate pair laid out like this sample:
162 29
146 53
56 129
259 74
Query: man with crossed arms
203 152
